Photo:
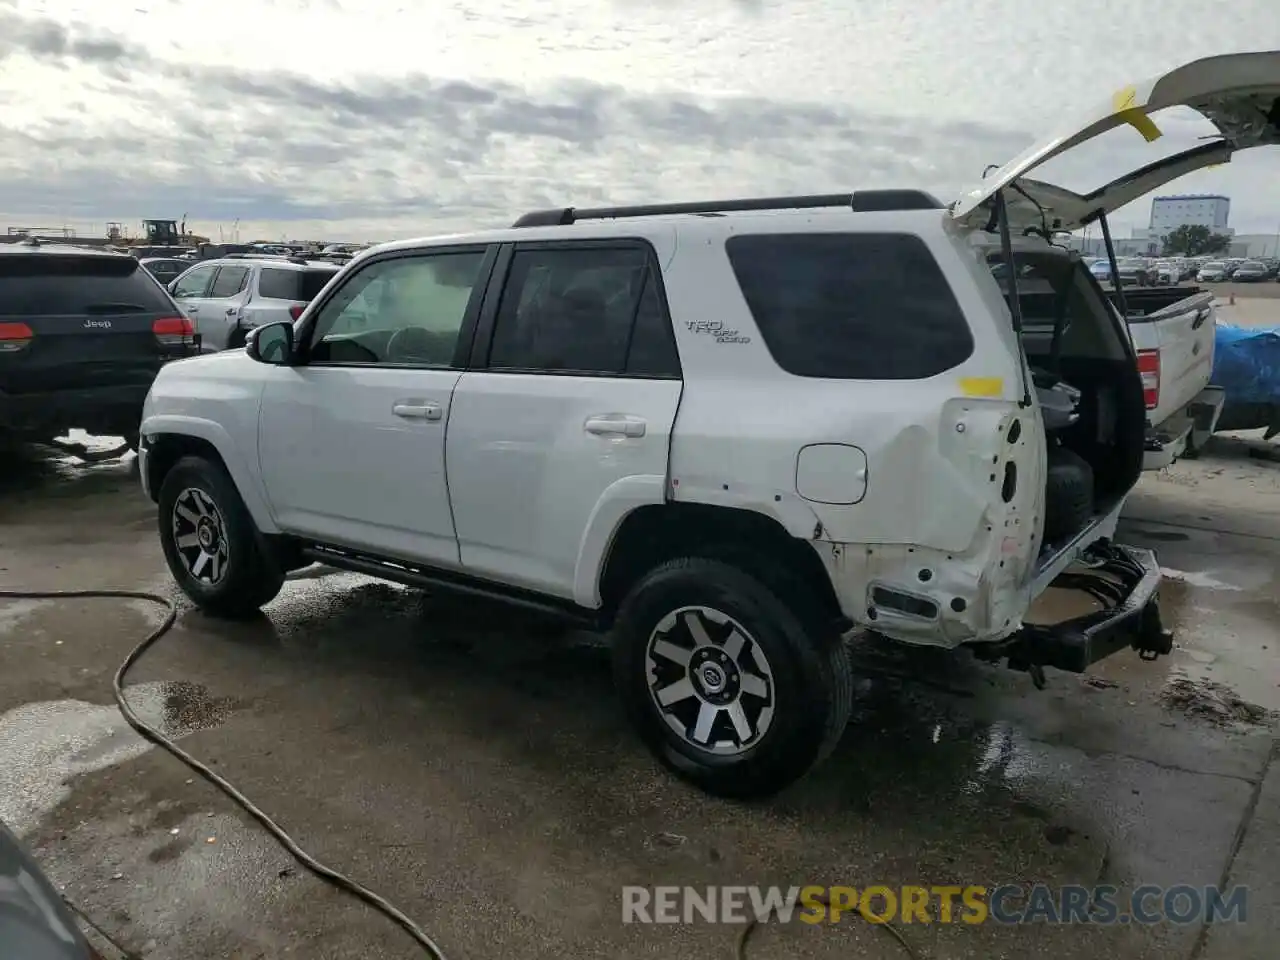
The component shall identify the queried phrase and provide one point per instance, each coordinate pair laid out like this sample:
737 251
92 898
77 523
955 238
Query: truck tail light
14 337
1149 370
296 310
173 331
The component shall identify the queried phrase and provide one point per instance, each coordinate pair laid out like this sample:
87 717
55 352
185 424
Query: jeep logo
97 324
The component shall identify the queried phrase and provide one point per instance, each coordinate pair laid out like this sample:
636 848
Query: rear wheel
729 683
210 543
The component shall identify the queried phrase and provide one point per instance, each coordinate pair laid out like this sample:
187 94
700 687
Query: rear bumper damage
1126 580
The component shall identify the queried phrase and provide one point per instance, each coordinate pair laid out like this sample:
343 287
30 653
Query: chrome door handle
616 425
417 411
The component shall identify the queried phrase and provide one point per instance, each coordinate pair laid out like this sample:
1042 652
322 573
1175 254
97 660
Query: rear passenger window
228 282
653 348
851 306
571 310
279 284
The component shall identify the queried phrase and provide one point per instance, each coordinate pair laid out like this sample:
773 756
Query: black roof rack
860 201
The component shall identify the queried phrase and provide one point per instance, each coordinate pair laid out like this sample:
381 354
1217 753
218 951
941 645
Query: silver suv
228 297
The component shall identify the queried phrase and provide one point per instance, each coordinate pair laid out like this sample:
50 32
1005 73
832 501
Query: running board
423 578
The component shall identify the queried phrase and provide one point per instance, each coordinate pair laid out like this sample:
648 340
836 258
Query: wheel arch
653 533
170 438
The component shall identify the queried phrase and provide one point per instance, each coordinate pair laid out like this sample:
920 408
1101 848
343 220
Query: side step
424 578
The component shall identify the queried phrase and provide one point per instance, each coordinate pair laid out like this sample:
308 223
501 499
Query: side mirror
172 286
271 343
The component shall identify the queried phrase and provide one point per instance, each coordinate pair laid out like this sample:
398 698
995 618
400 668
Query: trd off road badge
717 329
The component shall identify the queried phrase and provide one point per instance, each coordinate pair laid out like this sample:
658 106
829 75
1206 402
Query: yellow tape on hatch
1125 105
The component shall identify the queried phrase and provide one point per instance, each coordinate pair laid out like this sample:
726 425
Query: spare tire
1068 501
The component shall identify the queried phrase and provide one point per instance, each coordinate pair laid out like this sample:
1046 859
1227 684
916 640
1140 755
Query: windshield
1213 265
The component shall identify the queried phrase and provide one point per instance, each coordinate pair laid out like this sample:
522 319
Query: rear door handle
616 425
410 410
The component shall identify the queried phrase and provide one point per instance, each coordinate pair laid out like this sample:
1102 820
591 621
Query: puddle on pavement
46 471
43 746
1219 598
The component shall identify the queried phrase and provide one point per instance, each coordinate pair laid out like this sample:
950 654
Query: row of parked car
1146 272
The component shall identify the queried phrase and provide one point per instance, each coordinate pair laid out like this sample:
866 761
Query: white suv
228 297
728 432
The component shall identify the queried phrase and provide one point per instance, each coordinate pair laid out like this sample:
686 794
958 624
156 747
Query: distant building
1188 210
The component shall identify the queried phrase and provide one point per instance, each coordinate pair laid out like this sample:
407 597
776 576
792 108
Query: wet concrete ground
475 768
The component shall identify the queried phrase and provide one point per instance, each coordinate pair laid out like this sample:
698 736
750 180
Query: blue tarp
1246 363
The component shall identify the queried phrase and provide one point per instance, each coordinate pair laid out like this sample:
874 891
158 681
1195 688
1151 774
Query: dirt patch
1213 702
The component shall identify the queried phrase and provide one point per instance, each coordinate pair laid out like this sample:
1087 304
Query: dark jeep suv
82 334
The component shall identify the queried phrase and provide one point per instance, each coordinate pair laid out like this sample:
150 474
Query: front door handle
193 310
616 425
414 410
232 311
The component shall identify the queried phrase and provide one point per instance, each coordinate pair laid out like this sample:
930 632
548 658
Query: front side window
228 282
194 283
853 306
403 311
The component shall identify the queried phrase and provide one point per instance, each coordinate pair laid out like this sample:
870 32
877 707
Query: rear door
1239 94
563 425
76 321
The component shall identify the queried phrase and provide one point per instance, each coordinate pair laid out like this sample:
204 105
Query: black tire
1068 502
245 578
811 688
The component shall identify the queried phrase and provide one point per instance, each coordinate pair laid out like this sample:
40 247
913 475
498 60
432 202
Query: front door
565 426
351 440
221 310
190 290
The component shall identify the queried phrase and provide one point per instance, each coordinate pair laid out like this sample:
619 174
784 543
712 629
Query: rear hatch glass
90 320
299 286
46 285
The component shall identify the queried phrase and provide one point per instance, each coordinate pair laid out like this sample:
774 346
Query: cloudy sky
371 119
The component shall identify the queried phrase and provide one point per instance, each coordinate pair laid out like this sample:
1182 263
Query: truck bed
1141 301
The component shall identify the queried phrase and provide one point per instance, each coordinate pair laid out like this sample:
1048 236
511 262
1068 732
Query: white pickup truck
1173 337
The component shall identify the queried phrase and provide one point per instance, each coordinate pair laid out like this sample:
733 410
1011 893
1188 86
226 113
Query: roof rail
287 258
860 201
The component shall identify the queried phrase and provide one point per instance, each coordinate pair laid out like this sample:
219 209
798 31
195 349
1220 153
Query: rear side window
858 306
47 285
574 310
297 285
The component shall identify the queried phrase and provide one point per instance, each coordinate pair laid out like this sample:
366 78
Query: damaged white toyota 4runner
727 432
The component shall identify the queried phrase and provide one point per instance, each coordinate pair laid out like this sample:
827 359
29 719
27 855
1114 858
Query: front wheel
727 682
210 543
